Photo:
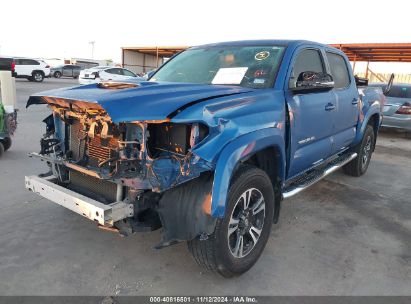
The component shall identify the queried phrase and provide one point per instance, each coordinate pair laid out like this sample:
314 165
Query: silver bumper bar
105 215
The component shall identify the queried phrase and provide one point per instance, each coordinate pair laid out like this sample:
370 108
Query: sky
64 28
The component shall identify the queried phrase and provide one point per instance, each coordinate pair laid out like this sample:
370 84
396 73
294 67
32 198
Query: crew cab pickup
210 145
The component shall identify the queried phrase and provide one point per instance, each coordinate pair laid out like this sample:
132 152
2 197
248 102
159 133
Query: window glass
339 70
400 91
246 66
128 73
308 61
29 62
114 71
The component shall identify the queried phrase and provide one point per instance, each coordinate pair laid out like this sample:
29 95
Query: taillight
404 109
13 65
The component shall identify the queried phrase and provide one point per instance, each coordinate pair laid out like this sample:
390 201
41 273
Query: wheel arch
254 148
375 122
371 117
34 71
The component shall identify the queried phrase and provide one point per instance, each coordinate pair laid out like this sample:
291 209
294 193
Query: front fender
239 149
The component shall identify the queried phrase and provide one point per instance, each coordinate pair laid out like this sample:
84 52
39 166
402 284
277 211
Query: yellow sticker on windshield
262 55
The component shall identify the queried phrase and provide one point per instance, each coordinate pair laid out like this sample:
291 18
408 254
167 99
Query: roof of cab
261 42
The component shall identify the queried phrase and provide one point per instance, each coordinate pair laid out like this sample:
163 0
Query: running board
309 179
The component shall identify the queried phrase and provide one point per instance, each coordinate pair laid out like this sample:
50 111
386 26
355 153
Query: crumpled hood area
146 101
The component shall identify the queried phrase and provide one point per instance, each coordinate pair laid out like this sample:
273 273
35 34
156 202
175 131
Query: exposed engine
97 158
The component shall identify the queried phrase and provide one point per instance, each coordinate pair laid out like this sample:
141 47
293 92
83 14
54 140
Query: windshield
246 66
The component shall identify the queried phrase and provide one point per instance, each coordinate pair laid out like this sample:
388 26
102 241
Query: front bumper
104 214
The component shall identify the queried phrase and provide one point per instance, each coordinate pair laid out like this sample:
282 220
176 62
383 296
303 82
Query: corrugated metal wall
139 63
399 78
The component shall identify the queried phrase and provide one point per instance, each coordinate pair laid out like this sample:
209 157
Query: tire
38 76
219 252
57 75
359 165
1 149
6 143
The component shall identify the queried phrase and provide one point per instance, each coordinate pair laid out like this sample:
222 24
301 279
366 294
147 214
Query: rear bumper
88 80
397 122
105 215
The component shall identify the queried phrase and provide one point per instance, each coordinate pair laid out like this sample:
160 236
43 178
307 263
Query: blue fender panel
234 152
364 118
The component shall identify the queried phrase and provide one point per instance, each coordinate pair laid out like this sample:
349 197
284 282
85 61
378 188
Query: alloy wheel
246 222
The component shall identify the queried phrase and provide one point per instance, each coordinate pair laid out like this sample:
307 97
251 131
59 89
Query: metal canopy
376 52
159 51
372 52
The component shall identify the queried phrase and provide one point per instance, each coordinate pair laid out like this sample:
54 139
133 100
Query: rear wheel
1 149
359 165
38 76
240 237
6 143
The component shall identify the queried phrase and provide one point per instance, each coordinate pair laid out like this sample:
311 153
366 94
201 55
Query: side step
310 178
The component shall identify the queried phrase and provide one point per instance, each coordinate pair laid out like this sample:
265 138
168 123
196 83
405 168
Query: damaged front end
141 169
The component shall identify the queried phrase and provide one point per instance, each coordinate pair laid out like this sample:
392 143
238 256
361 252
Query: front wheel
240 237
57 75
359 165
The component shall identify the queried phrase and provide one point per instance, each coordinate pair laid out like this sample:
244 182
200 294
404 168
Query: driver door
310 114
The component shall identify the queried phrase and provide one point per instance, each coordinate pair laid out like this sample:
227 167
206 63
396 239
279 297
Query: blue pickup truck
210 145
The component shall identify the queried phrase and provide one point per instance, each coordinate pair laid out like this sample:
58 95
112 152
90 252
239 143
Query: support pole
353 66
157 56
366 71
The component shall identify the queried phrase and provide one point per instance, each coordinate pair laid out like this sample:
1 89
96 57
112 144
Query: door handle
329 107
354 101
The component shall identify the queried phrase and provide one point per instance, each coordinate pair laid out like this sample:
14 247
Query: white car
103 73
31 69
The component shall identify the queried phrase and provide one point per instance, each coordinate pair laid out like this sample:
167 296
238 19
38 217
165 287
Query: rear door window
115 71
339 70
128 73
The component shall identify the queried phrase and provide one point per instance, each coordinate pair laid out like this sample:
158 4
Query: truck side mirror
312 81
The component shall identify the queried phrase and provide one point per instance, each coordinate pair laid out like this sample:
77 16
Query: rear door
347 102
76 71
310 115
68 71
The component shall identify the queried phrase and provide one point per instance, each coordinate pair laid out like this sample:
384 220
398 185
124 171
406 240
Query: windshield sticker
259 80
229 75
262 55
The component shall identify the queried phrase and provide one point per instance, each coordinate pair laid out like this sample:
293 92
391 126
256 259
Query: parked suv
67 70
31 69
7 64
